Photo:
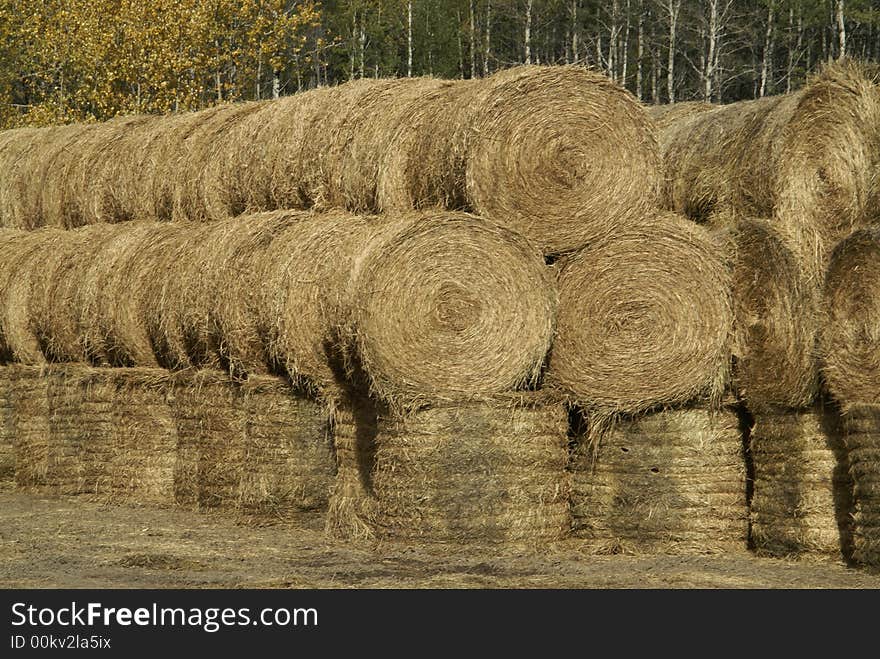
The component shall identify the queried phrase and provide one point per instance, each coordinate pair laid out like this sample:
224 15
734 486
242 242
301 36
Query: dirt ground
76 543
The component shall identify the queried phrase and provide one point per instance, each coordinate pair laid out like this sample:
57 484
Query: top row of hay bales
785 179
496 147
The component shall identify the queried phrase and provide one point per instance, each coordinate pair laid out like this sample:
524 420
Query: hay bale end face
645 319
560 183
671 482
446 305
850 332
802 499
775 320
488 471
862 436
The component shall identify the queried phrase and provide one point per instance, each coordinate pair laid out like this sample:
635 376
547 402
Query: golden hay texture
560 183
483 472
446 305
426 159
210 426
807 160
258 447
644 318
288 462
80 431
144 436
14 147
20 268
7 425
862 433
802 498
775 320
354 422
669 482
34 456
665 116
850 335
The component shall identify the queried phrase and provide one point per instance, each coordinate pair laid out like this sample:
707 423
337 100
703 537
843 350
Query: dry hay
446 305
802 498
665 116
479 472
850 334
775 320
191 167
425 160
561 183
288 462
210 427
7 425
15 147
113 306
670 482
303 284
21 267
30 408
365 137
354 425
807 160
144 436
55 295
862 436
644 319
80 431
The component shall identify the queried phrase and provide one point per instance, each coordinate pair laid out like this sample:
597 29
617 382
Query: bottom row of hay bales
503 470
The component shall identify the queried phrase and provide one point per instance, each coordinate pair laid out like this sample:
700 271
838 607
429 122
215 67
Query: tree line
75 60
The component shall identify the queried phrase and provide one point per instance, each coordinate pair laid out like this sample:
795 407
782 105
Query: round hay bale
446 305
326 135
671 482
144 442
424 162
288 462
807 160
560 182
665 116
303 283
7 425
55 296
21 267
802 494
195 155
850 335
113 307
862 436
645 319
366 136
775 320
30 409
15 147
488 471
210 427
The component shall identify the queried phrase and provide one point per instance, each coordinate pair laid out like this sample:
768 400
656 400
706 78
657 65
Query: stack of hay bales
850 349
806 161
493 146
446 317
645 323
801 486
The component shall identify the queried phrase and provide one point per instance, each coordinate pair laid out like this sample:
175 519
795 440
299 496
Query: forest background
90 60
